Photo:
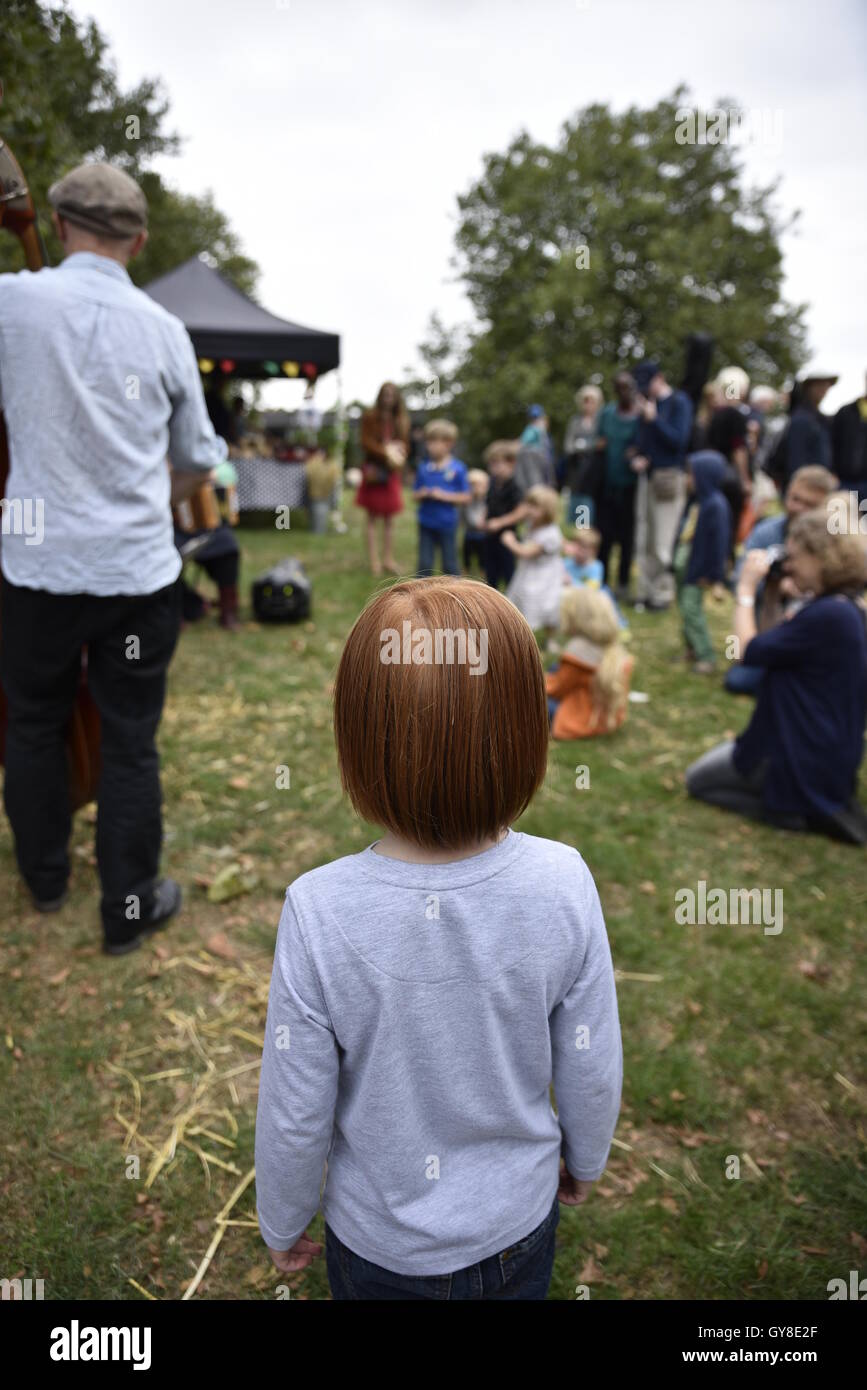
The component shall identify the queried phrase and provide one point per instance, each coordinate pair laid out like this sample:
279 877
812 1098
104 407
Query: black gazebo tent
228 327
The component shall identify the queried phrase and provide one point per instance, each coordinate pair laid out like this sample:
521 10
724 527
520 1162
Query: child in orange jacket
588 691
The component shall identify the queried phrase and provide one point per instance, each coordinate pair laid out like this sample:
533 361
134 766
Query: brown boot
229 606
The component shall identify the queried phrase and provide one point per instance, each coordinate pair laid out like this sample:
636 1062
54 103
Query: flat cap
102 199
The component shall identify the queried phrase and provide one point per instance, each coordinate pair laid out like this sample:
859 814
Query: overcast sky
336 136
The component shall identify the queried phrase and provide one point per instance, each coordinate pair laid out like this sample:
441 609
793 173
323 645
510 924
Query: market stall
236 338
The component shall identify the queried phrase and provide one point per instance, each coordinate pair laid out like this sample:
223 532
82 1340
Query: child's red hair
434 753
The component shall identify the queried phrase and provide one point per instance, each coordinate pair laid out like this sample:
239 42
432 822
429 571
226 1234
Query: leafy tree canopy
588 255
62 105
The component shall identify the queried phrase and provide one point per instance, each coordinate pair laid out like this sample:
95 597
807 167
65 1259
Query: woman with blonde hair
585 464
588 691
796 763
385 445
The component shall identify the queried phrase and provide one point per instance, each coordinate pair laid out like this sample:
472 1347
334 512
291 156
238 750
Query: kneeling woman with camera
796 763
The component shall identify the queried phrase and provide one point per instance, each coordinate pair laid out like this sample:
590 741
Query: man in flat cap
99 386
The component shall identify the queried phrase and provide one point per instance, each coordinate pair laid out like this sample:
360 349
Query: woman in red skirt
384 445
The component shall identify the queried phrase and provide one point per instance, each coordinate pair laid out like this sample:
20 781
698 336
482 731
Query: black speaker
696 368
283 594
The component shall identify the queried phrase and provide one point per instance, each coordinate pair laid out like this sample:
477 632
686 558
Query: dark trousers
714 778
616 522
499 562
40 661
223 569
475 547
429 538
522 1272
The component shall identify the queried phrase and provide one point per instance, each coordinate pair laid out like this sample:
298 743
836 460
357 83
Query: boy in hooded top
701 553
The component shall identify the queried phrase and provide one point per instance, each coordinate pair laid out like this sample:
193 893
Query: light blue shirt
418 1015
98 384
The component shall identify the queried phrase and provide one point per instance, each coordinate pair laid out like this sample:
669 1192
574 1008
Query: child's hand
719 593
301 1254
572 1191
421 493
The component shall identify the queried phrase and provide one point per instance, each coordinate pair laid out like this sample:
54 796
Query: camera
776 555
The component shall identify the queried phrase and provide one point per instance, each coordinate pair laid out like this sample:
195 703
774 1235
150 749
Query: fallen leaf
813 971
220 945
230 883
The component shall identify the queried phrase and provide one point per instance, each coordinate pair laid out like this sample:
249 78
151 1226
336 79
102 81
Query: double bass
18 216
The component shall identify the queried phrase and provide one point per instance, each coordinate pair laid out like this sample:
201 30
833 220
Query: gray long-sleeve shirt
418 1015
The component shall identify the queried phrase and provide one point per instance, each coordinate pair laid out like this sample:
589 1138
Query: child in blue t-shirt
441 488
580 558
583 568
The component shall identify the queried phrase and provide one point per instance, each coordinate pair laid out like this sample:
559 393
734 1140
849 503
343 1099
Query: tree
62 105
610 246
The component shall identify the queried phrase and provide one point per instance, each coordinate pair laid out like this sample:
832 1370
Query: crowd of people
704 503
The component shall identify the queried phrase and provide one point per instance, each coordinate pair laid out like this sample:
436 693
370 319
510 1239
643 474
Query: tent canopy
225 324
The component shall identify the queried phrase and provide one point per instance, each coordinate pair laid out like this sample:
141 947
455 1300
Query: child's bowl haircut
434 753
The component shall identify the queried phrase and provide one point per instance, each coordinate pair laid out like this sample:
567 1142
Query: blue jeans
523 1271
428 538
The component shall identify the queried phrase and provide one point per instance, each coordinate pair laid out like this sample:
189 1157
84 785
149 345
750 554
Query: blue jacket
812 703
710 543
664 441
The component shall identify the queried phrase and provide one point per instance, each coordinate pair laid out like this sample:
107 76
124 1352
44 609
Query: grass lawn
737 1044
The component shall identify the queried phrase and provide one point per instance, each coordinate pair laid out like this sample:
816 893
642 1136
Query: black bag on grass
283 594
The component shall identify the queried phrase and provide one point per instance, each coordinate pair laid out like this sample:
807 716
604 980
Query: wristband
746 600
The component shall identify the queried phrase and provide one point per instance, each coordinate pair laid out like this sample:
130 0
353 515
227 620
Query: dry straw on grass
209 1054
